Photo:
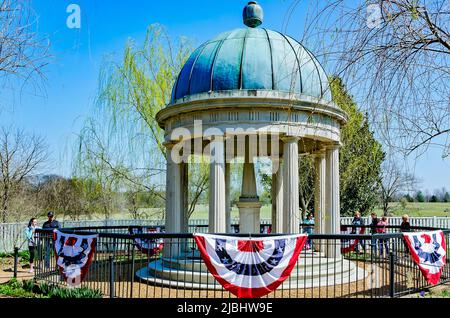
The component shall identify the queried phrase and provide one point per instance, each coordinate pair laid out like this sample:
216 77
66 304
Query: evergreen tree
360 156
420 197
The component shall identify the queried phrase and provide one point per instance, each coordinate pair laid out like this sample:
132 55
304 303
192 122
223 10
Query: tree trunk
302 203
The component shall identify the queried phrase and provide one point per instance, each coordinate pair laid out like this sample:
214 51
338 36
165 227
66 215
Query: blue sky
105 26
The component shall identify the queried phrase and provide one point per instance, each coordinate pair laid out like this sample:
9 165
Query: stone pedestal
249 213
249 205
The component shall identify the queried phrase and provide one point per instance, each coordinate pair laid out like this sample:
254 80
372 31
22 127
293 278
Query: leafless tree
21 155
392 182
23 52
394 56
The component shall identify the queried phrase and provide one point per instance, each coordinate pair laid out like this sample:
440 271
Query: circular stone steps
312 270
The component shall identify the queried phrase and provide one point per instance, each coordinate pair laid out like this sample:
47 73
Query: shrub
53 291
75 293
29 289
15 288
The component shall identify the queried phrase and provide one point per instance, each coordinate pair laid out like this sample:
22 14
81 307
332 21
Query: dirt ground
128 286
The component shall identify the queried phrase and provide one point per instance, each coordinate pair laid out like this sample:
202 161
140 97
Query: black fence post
132 269
391 274
111 277
16 260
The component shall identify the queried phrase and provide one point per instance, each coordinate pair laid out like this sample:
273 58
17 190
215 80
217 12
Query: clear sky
105 26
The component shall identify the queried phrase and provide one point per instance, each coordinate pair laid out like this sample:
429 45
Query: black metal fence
345 265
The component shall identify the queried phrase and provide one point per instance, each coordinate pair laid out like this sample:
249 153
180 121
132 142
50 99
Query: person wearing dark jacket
51 223
373 230
358 222
405 226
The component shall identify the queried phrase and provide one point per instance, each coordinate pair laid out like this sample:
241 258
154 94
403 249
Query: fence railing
432 221
12 234
377 265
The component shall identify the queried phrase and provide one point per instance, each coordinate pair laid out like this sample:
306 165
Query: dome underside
252 59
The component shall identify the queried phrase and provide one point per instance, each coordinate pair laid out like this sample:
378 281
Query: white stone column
227 197
319 191
332 218
277 198
174 202
291 217
185 196
217 209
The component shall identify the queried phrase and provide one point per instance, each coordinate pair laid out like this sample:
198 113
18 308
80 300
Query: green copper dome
252 59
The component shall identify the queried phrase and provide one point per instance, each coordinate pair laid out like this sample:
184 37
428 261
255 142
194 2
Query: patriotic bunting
149 246
250 267
74 254
349 245
428 251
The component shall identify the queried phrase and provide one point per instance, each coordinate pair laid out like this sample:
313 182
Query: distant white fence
13 234
431 221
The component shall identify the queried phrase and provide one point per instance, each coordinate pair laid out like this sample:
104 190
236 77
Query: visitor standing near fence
29 233
384 243
357 223
51 223
373 230
308 227
405 226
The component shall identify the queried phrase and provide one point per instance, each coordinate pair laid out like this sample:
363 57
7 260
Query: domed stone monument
247 93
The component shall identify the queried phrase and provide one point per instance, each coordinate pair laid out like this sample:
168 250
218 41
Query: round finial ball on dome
253 14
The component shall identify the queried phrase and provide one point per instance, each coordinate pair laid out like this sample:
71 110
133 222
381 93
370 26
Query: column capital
334 145
287 139
320 153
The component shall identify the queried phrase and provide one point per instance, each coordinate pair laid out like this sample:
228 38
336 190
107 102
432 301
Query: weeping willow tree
120 148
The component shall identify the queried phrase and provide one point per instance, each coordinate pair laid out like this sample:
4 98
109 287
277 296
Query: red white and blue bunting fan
349 245
74 254
428 251
149 246
250 267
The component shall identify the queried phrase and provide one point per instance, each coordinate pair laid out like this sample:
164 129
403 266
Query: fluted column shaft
319 191
332 222
277 199
291 217
217 204
227 198
174 201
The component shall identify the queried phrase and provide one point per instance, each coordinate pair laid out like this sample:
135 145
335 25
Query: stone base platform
312 270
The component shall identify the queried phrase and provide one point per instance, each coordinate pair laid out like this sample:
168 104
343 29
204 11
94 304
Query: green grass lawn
412 209
201 211
420 209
